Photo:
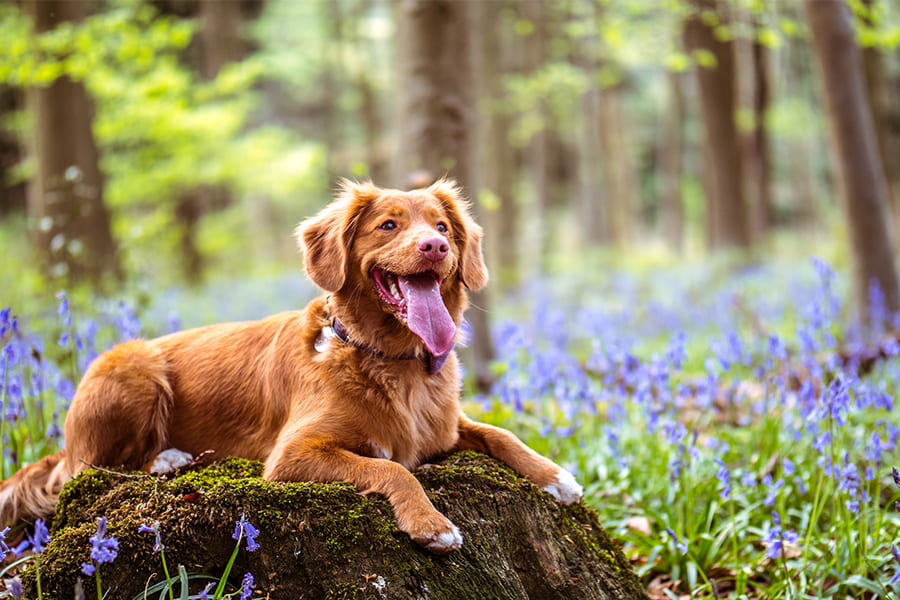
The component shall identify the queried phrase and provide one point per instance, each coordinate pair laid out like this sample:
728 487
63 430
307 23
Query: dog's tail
31 493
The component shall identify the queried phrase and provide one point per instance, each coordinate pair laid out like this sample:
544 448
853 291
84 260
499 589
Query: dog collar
433 363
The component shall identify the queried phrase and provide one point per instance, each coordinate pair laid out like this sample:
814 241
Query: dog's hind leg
31 492
120 413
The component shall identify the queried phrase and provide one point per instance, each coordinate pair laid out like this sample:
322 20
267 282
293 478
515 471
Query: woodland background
652 177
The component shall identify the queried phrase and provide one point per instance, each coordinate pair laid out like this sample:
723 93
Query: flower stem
99 587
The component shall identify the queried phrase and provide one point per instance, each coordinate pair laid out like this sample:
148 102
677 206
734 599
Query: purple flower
4 549
788 467
154 529
88 568
36 540
204 593
723 475
63 303
243 528
896 475
103 549
682 546
776 537
896 554
14 587
247 585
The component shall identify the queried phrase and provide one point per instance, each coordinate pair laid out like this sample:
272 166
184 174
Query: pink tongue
426 315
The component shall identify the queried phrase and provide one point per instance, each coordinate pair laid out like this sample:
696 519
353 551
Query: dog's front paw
564 488
438 534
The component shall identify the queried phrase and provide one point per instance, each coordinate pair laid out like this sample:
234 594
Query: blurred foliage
162 130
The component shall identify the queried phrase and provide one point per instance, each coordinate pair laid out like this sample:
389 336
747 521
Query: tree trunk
727 214
436 125
672 206
220 43
12 197
498 173
855 145
70 223
330 541
758 156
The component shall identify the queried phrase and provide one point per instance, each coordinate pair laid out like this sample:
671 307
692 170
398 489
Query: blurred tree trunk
220 43
539 151
436 125
727 221
758 152
799 149
498 173
618 166
377 160
880 106
70 223
672 159
855 146
12 197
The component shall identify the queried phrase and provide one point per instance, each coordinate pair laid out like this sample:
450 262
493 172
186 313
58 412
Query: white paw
442 543
169 460
564 488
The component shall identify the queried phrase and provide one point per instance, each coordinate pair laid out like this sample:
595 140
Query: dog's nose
433 248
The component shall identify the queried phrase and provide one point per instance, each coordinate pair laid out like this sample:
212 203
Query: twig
111 472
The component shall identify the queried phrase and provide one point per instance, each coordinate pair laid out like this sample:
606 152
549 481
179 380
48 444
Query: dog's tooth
395 292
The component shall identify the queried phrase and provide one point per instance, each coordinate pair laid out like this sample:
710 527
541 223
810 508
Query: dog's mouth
416 300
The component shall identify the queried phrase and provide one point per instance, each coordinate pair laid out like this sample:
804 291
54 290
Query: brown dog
360 386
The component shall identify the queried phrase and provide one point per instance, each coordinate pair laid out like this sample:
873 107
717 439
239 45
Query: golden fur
261 390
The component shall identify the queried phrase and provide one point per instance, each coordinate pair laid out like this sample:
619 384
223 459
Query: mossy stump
330 542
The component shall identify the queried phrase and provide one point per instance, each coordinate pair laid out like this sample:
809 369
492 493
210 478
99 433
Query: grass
703 407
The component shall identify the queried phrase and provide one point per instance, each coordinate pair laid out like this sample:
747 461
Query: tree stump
330 541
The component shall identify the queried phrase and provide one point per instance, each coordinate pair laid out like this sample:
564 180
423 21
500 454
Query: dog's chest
420 421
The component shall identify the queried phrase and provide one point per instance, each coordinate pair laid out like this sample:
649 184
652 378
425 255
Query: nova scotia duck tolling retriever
362 385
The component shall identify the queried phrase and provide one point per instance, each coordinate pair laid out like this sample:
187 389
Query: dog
362 385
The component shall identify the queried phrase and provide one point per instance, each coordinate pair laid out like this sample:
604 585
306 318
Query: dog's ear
326 238
466 232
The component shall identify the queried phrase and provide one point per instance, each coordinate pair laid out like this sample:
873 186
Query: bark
863 185
672 205
70 223
436 126
12 197
498 174
759 160
880 106
539 153
220 42
329 541
727 223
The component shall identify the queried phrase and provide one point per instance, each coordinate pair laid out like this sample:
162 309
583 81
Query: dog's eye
442 227
388 225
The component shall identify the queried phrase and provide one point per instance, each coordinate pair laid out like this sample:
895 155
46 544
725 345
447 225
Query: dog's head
409 253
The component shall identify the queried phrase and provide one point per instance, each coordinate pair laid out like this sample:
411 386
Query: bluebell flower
776 537
788 467
63 302
4 549
896 554
896 475
682 546
103 549
204 593
88 568
247 585
245 529
36 540
723 475
14 587
154 529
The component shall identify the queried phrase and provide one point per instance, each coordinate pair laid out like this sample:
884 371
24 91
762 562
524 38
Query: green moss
329 540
